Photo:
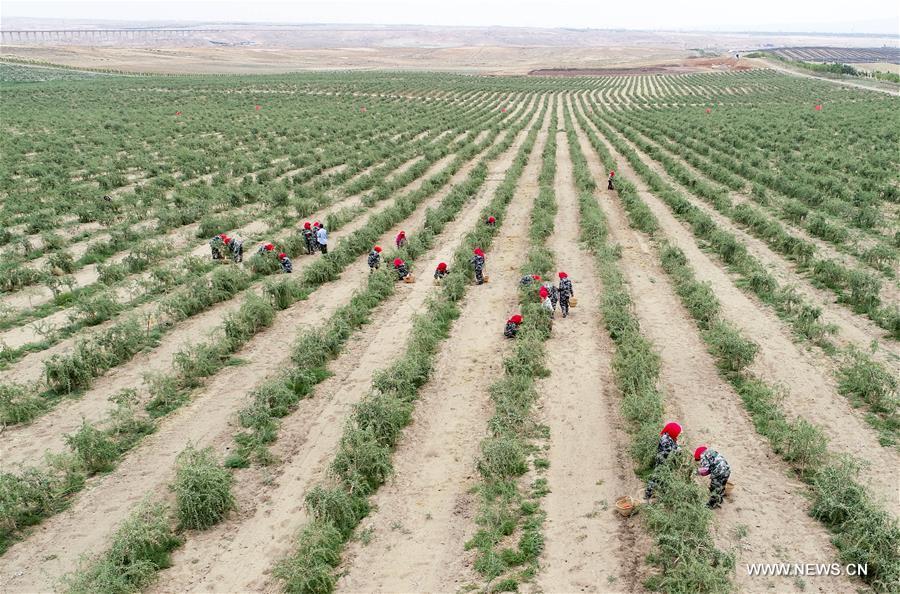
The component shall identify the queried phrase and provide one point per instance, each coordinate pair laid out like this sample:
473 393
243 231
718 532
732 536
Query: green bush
202 489
94 448
732 351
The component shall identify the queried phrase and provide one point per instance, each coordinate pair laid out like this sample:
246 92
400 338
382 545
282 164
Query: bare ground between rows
26 443
239 554
811 392
425 513
587 543
765 499
54 548
853 329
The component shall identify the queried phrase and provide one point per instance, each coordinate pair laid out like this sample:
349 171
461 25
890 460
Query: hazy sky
879 16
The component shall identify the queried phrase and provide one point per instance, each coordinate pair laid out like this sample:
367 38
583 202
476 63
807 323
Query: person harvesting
478 265
441 271
401 268
322 239
400 240
287 266
309 238
512 326
566 291
667 445
714 465
374 259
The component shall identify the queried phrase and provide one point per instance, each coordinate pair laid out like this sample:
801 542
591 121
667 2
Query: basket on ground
409 279
625 506
573 302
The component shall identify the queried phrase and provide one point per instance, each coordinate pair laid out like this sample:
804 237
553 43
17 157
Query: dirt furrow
811 392
37 563
766 499
238 554
853 328
421 524
586 546
26 443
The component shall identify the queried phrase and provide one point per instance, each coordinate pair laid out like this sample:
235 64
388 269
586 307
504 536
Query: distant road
846 83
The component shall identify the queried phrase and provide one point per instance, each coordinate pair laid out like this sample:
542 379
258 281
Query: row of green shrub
787 302
195 363
684 553
506 506
363 460
864 531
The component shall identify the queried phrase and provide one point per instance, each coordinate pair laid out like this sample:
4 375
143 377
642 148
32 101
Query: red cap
307 225
492 220
478 252
398 262
516 319
442 266
401 234
227 240
318 224
536 277
377 248
544 292
699 452
269 247
282 256
563 275
673 429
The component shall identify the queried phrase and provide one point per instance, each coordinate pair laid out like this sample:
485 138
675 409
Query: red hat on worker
563 275
398 262
516 319
544 292
699 452
442 266
492 220
536 277
282 256
401 234
307 225
227 240
377 248
269 247
478 252
673 429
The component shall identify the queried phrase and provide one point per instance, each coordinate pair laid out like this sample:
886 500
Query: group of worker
222 243
266 249
550 295
711 463
315 237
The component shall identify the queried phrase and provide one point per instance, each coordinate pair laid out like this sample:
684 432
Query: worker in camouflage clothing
668 444
478 264
554 294
287 266
374 259
401 268
565 292
237 249
217 246
712 463
530 278
512 326
309 238
441 271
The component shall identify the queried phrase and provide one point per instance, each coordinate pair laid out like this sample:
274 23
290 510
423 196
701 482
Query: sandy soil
271 512
765 498
424 514
587 543
37 563
812 392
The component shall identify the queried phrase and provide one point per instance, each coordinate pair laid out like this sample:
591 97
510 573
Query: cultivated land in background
363 433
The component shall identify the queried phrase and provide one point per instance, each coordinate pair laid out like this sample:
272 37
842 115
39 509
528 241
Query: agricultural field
173 423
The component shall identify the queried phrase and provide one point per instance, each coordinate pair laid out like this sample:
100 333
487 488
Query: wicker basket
625 506
409 279
729 487
573 302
